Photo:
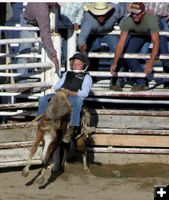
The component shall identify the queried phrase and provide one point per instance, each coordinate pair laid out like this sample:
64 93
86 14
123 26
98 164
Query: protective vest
73 81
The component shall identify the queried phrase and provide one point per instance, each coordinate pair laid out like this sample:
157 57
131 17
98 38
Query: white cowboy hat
99 8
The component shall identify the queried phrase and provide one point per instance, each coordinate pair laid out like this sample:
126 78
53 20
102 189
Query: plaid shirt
159 9
71 13
39 13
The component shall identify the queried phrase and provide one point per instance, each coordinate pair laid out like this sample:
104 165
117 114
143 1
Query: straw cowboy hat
99 8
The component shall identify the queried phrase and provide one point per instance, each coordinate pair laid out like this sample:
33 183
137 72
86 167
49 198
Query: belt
31 22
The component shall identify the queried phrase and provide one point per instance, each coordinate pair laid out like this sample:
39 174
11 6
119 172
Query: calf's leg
39 138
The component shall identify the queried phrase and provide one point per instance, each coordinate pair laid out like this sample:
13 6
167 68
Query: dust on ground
104 182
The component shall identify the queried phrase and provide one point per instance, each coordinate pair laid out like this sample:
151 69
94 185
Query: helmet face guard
81 57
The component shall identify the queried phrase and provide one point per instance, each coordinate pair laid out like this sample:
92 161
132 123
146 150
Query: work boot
136 88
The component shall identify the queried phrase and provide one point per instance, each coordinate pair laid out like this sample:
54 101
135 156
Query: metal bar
11 74
18 28
149 94
30 55
27 65
129 74
19 40
25 85
126 101
127 150
4 113
126 55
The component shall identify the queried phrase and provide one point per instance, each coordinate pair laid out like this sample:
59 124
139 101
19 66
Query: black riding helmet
81 57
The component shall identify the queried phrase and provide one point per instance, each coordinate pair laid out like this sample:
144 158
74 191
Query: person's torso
73 81
96 27
34 10
148 25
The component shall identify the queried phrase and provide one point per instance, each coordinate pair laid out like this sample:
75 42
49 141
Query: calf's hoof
87 170
25 173
40 181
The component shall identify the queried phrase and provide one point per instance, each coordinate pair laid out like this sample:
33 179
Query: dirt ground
104 182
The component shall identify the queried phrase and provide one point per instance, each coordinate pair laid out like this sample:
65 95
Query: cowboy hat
98 8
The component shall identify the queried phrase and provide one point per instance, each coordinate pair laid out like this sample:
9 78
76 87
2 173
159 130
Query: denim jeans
95 42
75 101
164 49
110 40
134 45
25 48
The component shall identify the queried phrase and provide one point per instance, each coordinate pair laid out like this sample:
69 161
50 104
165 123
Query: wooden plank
18 135
130 122
18 125
18 105
18 154
128 140
131 131
129 112
19 163
12 145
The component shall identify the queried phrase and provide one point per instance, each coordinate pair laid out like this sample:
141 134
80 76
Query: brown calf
48 131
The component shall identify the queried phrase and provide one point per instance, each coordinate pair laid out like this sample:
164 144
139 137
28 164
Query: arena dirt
104 182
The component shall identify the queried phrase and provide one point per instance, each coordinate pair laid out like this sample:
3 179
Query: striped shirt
71 13
159 9
39 13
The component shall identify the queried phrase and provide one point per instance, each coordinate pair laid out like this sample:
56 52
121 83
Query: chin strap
80 71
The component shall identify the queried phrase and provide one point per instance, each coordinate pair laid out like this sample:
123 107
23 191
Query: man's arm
118 51
86 29
43 21
149 64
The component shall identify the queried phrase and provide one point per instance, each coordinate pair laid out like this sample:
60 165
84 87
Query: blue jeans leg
43 102
77 104
163 45
25 47
134 45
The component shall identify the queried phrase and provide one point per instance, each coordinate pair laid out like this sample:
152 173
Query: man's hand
56 63
83 49
76 27
148 67
113 69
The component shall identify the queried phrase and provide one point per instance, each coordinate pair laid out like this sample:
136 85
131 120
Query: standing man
99 19
142 24
37 14
161 9
71 14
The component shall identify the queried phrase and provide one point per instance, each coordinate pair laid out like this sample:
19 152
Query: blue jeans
75 101
95 42
164 48
134 45
25 48
110 40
